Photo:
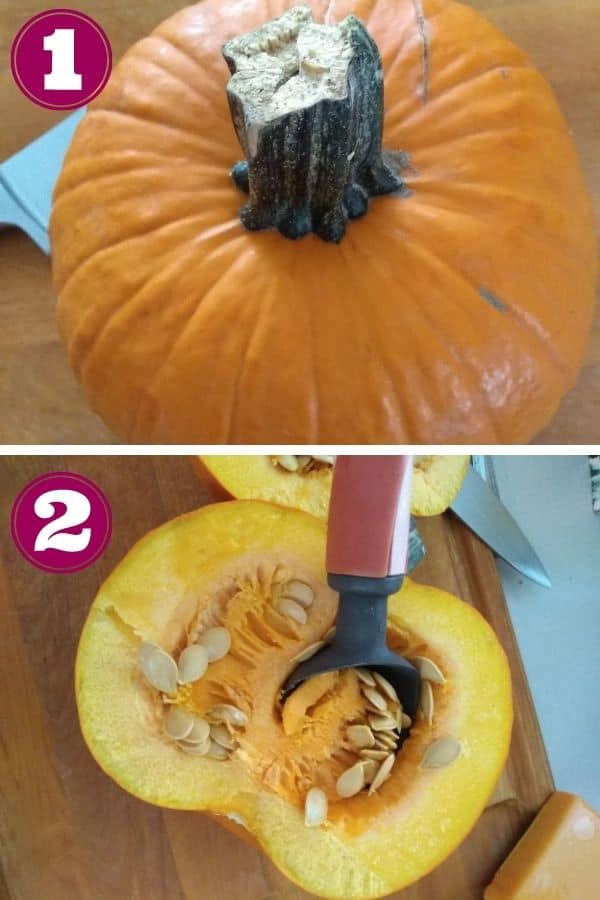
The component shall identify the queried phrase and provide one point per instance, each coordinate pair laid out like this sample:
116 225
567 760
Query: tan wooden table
40 401
67 832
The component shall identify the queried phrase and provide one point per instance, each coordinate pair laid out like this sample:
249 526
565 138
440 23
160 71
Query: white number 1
62 76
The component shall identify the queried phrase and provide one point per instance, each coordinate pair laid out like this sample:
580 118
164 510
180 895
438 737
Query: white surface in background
558 630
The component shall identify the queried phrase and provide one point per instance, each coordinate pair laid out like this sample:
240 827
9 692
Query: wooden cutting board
67 832
40 399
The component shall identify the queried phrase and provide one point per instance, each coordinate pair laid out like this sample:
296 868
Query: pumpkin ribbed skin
458 313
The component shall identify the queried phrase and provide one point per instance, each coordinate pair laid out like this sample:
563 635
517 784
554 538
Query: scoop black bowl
360 639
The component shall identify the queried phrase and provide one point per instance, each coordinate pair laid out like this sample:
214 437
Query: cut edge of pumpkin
437 479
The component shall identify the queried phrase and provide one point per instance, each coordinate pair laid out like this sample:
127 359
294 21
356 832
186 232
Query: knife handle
369 515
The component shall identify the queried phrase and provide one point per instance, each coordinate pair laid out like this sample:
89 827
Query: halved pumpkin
224 565
436 480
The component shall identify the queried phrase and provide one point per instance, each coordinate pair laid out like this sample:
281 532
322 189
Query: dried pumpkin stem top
307 105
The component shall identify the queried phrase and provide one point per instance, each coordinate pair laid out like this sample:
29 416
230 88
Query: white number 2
62 76
77 511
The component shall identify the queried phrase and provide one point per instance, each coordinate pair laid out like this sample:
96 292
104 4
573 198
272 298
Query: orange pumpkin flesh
220 565
456 313
436 482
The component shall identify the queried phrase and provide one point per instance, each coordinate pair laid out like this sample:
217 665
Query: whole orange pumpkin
455 309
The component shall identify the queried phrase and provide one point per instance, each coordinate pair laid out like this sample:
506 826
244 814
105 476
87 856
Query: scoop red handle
369 516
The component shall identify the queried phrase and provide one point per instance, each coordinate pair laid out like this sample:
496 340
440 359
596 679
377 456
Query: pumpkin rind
458 313
435 483
370 846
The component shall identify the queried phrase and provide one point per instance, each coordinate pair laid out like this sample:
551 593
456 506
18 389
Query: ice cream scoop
367 549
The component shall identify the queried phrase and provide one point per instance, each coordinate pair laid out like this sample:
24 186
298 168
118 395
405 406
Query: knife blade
27 180
481 510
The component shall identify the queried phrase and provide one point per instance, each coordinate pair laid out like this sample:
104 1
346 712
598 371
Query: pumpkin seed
375 698
370 767
158 667
217 642
388 689
373 753
178 723
315 807
329 635
216 751
366 677
289 463
441 753
372 710
226 712
220 735
382 723
360 736
199 733
428 669
351 781
383 773
387 739
426 701
288 607
194 749
146 649
406 721
193 663
302 463
299 591
308 652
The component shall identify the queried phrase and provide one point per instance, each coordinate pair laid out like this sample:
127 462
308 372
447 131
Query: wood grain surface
67 832
40 401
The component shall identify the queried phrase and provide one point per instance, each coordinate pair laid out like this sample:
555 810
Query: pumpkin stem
307 105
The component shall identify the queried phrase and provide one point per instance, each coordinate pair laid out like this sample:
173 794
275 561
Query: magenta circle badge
61 58
61 522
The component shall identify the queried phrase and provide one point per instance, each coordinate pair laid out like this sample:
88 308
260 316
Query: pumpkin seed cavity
374 737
